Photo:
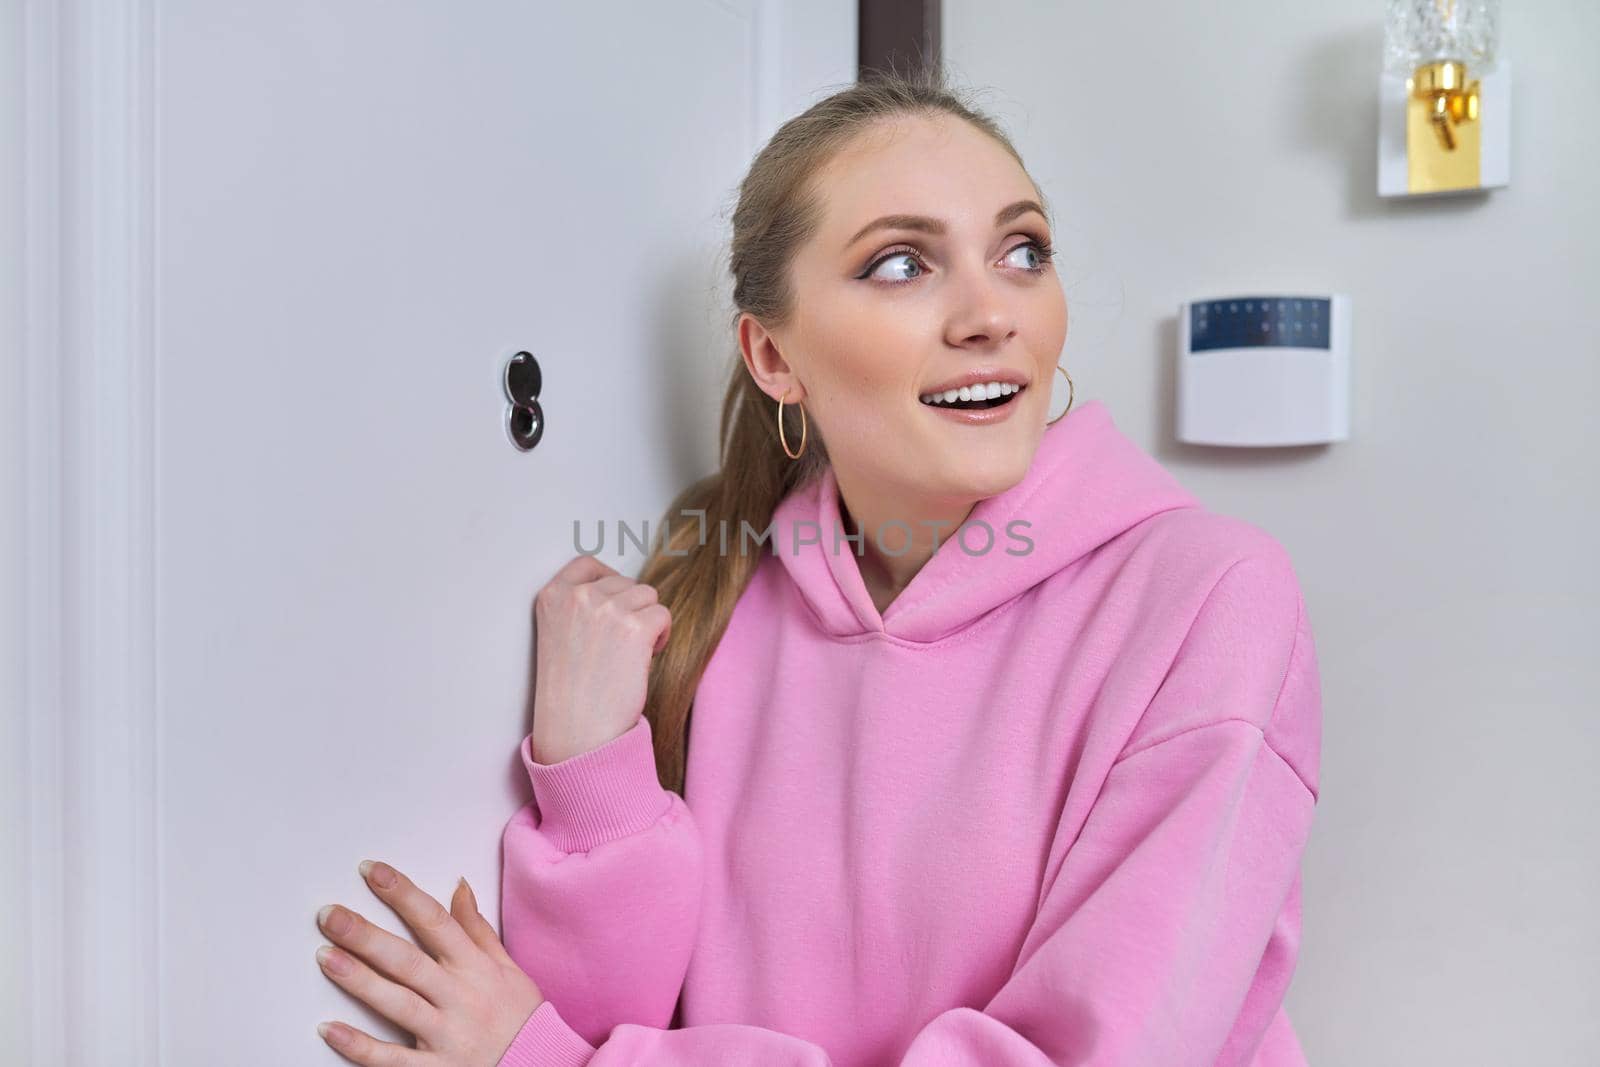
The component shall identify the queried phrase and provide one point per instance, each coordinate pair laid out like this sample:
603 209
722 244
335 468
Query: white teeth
981 391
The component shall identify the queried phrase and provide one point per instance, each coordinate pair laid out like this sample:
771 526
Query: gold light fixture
1445 98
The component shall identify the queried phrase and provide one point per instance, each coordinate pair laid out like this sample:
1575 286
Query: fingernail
332 960
380 874
332 1033
335 922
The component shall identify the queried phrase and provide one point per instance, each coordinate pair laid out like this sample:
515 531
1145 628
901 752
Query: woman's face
885 314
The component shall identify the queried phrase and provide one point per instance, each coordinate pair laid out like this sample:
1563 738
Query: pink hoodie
1048 808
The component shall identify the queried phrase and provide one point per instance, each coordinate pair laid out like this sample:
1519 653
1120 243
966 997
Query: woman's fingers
394 1002
433 924
358 1046
391 956
582 568
464 906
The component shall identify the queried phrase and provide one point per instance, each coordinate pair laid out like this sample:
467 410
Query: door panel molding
90 704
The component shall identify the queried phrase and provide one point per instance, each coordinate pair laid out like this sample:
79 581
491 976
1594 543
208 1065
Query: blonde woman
1018 774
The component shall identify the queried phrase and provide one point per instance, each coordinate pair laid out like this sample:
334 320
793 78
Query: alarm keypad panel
1259 321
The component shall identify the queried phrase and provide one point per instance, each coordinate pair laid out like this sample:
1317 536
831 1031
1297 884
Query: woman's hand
465 998
597 631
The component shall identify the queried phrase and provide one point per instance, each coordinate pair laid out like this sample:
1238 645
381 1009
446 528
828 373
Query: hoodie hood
1087 483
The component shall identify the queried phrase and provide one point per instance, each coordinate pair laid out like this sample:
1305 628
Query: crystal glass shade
1424 31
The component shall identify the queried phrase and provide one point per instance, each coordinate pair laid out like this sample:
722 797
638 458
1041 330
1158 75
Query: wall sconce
1445 99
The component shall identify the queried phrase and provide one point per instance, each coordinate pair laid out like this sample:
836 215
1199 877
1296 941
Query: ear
765 362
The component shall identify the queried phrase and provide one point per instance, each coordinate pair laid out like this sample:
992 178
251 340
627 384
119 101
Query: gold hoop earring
784 440
1070 394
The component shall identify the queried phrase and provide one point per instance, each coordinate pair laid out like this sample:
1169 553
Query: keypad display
1259 321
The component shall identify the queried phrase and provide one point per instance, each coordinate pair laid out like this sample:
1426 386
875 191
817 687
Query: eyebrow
924 224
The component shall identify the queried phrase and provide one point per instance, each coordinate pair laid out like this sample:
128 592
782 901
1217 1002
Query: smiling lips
979 395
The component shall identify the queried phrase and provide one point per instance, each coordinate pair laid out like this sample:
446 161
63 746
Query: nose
985 317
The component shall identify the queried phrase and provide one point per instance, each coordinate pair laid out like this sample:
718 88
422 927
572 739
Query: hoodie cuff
546 1040
600 795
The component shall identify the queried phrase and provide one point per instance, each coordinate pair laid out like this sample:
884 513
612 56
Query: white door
281 552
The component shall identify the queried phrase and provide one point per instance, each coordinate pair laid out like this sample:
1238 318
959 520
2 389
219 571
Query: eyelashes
1045 250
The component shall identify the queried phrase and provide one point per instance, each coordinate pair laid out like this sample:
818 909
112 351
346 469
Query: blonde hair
778 210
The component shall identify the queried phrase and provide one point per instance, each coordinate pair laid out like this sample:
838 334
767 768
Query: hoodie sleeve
600 895
1168 927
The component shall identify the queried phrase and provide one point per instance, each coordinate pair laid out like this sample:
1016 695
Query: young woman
1019 774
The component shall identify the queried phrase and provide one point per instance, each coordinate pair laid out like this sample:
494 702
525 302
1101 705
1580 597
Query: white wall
1447 551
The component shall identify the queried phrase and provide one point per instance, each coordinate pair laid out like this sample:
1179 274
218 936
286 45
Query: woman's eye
908 256
1029 246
